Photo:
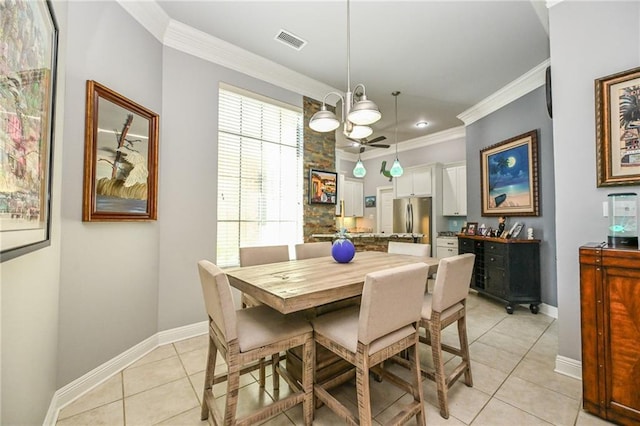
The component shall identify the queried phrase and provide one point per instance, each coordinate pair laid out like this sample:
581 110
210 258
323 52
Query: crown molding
151 16
519 87
410 144
189 40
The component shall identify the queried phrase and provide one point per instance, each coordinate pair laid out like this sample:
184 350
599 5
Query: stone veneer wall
320 154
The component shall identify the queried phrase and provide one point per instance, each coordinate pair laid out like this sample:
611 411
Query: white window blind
259 173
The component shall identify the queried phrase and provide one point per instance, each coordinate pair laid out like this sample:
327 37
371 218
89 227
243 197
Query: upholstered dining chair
309 250
243 337
413 249
250 256
261 255
383 326
446 306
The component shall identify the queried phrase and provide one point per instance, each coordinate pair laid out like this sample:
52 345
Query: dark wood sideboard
610 323
508 270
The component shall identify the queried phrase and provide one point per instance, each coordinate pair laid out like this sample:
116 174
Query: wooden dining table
298 285
315 286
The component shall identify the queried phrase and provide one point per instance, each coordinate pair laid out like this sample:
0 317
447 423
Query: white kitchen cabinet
415 182
353 198
446 247
340 200
454 191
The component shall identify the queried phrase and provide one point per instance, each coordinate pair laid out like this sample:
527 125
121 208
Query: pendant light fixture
359 171
356 115
396 169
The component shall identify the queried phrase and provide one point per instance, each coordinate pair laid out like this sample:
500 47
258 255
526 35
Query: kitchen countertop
370 235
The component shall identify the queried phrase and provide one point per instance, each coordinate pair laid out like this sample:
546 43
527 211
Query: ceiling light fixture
422 124
359 171
396 169
356 115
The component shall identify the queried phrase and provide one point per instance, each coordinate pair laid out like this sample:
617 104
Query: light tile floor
513 357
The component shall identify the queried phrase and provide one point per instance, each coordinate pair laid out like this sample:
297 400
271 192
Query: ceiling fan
363 143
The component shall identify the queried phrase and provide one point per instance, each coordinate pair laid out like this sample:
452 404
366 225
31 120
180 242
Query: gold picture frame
509 177
618 128
121 158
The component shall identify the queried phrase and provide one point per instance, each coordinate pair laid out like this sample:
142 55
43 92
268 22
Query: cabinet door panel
404 185
461 182
622 295
422 183
449 192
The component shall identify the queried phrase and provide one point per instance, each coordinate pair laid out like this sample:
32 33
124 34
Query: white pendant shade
360 132
324 121
364 112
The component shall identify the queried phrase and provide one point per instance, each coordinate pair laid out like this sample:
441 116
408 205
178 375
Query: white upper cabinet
454 191
415 182
353 198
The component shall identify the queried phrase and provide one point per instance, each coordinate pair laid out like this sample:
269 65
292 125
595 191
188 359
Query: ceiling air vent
290 40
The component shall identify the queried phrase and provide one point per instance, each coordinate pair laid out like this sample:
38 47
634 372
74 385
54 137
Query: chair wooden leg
363 386
275 359
417 377
208 378
262 375
438 363
233 387
308 369
464 349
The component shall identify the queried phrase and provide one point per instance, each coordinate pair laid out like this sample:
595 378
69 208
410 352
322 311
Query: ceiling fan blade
379 145
378 139
359 142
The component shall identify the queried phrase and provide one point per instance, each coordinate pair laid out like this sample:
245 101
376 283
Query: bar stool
446 306
384 325
243 337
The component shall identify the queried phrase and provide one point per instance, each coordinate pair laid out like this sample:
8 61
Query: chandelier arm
364 94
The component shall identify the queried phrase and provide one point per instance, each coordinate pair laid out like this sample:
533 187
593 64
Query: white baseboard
70 392
569 367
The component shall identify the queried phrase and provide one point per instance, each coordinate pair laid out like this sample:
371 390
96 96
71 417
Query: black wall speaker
547 86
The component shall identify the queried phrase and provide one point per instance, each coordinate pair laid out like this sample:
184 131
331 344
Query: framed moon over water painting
509 177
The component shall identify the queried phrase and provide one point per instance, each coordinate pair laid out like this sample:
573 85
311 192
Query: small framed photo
323 187
515 230
463 230
370 201
472 228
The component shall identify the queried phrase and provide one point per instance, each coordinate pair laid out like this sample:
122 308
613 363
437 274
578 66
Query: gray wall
589 40
524 114
188 178
29 295
108 271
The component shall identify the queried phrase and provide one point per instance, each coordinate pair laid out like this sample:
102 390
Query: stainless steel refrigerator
413 216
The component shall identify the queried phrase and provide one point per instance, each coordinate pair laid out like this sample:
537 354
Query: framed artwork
323 187
515 230
509 177
472 228
120 158
370 201
618 129
29 43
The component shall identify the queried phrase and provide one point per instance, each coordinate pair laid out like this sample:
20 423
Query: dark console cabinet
508 270
610 325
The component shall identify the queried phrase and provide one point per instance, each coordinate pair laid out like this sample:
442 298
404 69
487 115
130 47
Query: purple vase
343 250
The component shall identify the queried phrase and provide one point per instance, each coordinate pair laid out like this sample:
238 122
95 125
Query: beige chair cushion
342 327
452 281
250 256
426 309
422 250
217 298
310 250
262 325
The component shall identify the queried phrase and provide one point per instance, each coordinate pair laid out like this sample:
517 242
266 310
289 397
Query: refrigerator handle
406 218
411 218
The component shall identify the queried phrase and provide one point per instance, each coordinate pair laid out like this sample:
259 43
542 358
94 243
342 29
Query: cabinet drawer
495 248
465 245
495 260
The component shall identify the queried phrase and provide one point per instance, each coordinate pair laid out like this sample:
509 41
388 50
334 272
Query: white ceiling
444 56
